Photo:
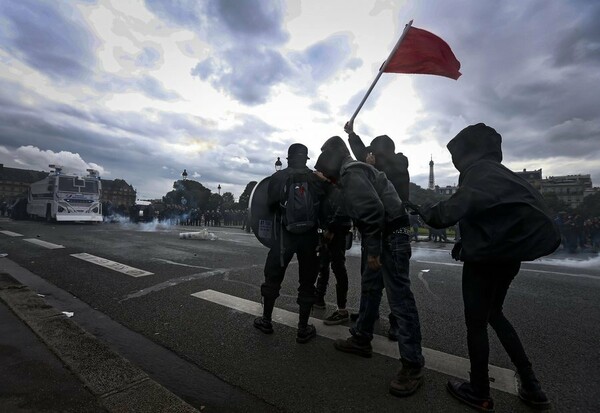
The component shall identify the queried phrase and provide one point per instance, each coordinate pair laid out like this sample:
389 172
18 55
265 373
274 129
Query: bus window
66 185
91 187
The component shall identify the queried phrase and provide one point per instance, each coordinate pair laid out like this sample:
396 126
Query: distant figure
414 224
503 221
294 194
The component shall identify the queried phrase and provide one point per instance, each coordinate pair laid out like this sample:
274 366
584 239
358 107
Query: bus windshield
71 184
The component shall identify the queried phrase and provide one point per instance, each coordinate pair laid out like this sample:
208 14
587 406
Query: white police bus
66 197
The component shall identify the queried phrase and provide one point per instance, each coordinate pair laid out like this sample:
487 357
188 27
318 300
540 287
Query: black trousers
305 247
484 286
333 253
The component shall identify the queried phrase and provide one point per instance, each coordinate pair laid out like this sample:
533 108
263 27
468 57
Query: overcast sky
141 90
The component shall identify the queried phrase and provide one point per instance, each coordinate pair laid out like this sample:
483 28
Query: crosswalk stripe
450 264
43 243
113 265
500 378
11 234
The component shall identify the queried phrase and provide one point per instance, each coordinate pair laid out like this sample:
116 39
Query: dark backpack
298 207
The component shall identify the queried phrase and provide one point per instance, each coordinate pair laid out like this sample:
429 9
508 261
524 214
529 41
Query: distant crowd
579 234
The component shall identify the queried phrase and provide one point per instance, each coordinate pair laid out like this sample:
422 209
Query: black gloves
456 250
412 209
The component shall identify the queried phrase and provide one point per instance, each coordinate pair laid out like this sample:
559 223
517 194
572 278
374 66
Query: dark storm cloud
226 21
187 13
148 57
250 21
529 71
145 84
246 76
48 38
131 145
322 60
249 75
154 89
246 62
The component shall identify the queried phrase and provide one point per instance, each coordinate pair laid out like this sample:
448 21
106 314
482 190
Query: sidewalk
49 364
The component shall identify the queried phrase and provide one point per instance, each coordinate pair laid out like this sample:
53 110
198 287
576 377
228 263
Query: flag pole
381 69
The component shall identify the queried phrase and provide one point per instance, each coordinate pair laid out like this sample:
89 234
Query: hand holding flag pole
417 51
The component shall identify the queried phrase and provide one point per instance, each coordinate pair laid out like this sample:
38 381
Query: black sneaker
407 381
305 334
263 325
531 393
353 346
320 303
464 392
338 317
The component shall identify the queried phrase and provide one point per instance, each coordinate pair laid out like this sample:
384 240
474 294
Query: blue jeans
394 276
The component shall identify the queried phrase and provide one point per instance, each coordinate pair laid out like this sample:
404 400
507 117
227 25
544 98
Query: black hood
330 162
382 145
336 144
474 143
333 153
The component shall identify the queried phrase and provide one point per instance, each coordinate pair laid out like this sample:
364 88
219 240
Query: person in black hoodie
373 204
503 220
335 228
303 244
381 153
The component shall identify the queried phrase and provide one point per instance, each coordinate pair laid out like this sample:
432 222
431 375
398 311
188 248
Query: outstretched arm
356 144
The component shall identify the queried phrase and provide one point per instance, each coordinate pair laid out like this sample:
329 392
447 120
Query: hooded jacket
394 165
369 198
500 215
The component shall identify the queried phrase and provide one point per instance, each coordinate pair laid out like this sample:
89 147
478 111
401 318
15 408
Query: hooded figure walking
371 201
503 220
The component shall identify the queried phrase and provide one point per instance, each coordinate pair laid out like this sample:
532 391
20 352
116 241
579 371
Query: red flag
423 52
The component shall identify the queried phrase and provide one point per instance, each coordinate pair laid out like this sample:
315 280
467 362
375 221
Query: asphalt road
209 354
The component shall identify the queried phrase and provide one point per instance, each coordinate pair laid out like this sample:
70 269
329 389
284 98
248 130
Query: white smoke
590 262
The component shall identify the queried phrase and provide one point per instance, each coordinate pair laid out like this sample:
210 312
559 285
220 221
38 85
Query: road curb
119 385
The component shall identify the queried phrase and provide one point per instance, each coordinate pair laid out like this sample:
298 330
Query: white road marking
125 269
44 244
181 264
11 234
426 284
563 273
451 264
503 379
173 282
592 277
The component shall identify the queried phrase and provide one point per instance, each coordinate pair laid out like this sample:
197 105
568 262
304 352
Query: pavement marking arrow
500 378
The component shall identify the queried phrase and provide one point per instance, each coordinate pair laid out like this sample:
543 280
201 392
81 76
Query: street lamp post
278 164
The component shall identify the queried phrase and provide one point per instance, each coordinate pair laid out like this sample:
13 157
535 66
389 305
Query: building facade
446 190
533 177
571 189
118 192
14 182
